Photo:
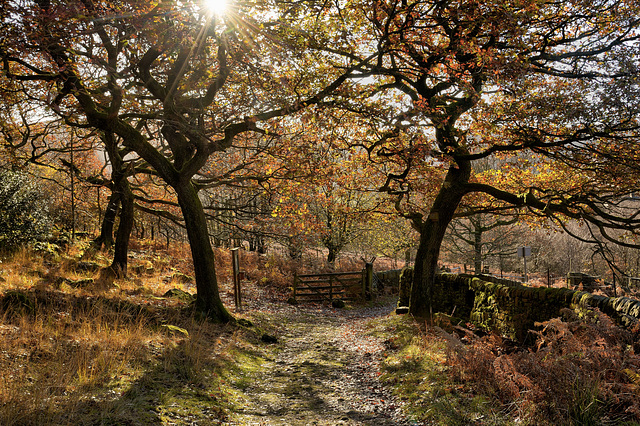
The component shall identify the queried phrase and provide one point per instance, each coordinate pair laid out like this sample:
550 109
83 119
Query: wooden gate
330 286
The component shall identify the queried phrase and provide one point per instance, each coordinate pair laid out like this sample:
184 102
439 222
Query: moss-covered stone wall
453 296
513 309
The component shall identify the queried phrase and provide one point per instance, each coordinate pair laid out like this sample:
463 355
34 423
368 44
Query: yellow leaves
516 174
635 379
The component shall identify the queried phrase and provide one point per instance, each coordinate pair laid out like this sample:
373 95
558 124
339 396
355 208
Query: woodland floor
76 353
323 370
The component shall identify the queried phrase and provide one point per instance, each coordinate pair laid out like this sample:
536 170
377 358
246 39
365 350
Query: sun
217 7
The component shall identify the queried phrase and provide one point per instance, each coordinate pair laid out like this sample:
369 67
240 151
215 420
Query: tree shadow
314 380
178 383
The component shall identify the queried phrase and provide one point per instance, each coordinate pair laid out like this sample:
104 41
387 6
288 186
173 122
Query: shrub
23 211
577 373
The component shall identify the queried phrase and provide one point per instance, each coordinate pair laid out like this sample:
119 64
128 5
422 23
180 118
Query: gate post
368 281
236 278
330 288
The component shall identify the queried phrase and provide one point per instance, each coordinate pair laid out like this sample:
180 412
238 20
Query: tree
549 67
388 236
67 157
546 87
330 197
557 252
471 238
175 85
64 162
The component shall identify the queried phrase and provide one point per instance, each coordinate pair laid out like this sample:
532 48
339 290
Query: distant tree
559 253
479 237
388 236
327 191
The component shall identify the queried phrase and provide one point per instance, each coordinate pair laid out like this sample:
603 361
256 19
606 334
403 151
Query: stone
81 283
339 304
245 322
182 278
267 338
179 294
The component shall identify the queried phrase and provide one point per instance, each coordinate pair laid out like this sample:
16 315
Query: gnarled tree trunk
105 239
208 297
432 232
121 248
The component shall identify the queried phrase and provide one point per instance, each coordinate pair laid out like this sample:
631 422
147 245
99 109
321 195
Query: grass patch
102 363
415 365
122 355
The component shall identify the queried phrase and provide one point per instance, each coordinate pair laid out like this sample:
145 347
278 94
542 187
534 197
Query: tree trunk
121 249
105 239
208 298
295 248
477 249
256 243
333 254
121 194
432 232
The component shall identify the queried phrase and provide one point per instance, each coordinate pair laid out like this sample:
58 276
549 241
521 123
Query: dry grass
75 352
85 354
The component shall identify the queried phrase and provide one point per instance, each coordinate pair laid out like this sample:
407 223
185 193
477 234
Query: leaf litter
324 369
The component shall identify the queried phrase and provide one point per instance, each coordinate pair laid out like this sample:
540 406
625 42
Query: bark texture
208 297
432 232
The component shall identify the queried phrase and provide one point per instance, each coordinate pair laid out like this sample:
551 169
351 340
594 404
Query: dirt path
324 371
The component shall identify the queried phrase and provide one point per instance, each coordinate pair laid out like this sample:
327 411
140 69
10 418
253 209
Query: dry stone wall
512 309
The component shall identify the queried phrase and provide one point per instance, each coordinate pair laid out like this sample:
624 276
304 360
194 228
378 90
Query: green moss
415 367
174 330
180 295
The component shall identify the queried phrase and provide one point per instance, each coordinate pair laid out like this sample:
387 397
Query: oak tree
546 87
174 83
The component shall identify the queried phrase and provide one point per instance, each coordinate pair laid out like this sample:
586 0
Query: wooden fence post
548 277
368 281
236 278
330 288
364 283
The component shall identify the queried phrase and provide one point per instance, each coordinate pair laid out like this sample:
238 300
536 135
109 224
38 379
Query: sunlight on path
325 373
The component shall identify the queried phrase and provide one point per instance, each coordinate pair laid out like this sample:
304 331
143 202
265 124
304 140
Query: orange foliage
576 367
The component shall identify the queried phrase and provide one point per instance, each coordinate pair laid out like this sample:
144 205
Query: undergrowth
582 370
576 373
416 366
122 355
76 353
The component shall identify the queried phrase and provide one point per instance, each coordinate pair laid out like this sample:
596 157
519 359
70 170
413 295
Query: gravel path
325 371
